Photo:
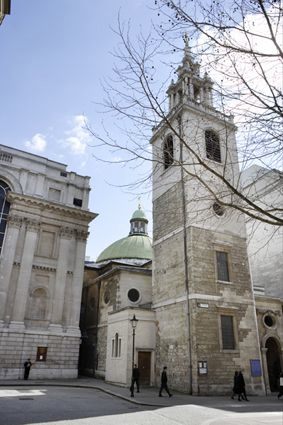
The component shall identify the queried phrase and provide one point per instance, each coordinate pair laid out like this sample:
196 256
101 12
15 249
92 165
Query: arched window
168 152
212 144
116 346
138 226
4 210
38 304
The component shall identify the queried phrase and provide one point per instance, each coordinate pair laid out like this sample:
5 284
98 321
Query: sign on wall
255 368
202 368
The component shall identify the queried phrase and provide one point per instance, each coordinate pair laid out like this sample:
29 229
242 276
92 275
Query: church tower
202 291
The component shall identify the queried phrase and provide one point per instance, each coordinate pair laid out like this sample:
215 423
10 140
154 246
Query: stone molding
271 334
33 202
37 267
82 235
67 232
32 225
15 221
43 268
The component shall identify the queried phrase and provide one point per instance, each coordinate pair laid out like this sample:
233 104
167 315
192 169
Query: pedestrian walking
235 389
164 380
135 379
280 385
27 366
241 386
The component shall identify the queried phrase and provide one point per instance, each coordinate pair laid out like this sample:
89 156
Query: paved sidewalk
148 396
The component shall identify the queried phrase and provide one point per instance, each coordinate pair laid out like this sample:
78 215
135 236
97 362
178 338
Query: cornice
194 107
31 201
119 269
38 267
43 268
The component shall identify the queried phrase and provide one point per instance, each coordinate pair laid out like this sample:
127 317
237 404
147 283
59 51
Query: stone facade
265 240
41 264
197 313
270 330
206 322
110 325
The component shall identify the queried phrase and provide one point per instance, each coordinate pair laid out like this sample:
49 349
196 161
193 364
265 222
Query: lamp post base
132 390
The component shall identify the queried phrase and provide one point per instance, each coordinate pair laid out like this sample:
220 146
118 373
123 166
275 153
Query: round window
133 295
106 296
218 209
269 320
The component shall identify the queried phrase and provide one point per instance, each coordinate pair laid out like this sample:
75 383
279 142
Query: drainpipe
185 247
262 354
96 330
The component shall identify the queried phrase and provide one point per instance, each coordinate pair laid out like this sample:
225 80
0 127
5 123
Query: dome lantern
138 223
136 246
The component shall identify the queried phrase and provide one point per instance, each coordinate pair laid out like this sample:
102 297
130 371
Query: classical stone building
44 221
117 287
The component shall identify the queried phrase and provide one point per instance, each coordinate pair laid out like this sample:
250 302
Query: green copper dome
137 245
140 215
130 247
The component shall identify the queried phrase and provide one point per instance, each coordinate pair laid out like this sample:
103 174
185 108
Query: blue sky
53 56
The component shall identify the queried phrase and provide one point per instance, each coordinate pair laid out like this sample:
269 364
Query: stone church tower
202 291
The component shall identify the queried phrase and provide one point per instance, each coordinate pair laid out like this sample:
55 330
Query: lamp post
134 322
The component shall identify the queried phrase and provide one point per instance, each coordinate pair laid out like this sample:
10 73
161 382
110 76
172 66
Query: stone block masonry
61 360
200 334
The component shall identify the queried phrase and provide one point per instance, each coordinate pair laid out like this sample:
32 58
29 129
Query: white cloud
37 143
78 136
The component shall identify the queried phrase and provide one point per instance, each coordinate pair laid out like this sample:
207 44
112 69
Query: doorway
144 365
273 363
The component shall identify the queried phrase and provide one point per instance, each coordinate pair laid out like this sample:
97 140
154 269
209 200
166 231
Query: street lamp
134 322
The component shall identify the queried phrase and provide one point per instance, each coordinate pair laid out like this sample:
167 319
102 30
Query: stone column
191 90
265 370
7 260
210 99
201 95
25 273
66 235
185 86
77 283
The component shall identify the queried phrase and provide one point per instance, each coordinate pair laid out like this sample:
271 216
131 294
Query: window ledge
227 282
236 351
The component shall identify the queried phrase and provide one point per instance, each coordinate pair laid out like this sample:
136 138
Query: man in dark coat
27 366
235 389
241 386
135 379
164 383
